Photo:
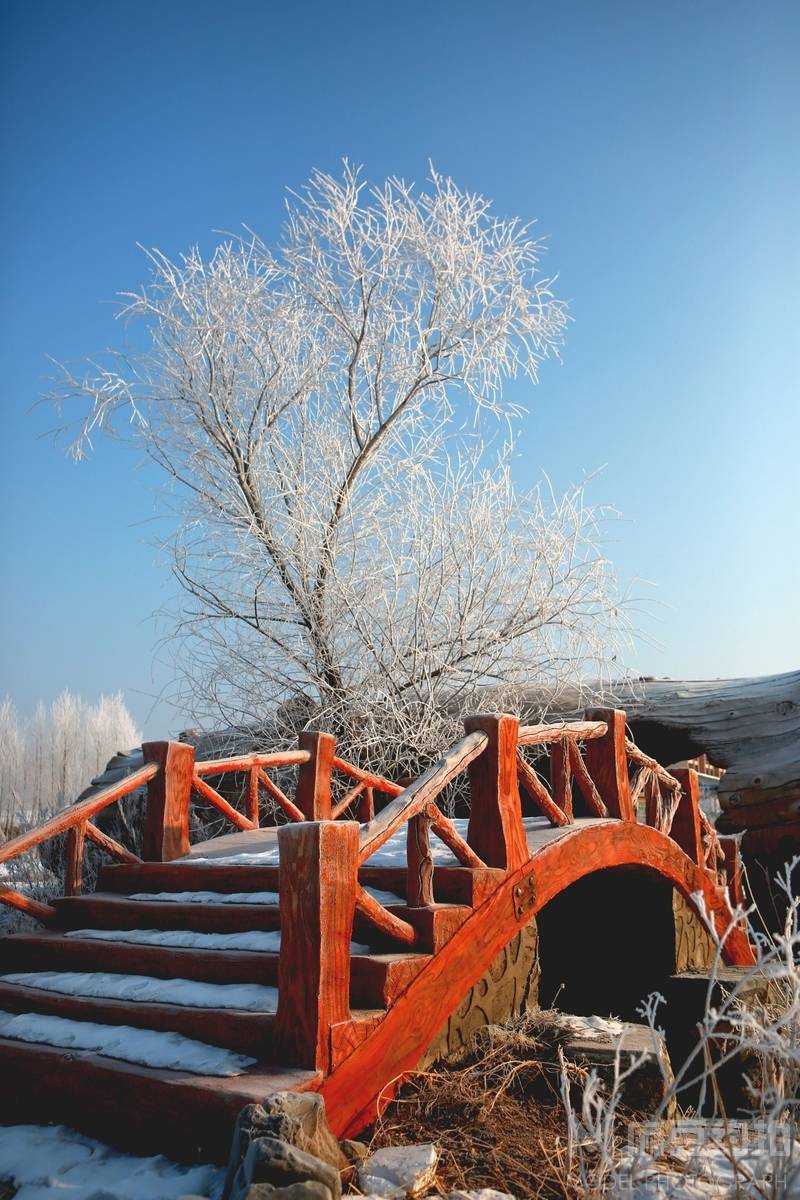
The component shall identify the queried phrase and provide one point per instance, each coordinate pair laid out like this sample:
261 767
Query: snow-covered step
106 910
141 989
145 1047
189 939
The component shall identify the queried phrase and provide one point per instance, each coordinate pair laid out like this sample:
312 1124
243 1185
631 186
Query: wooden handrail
377 782
213 797
542 735
641 759
379 916
75 814
243 762
418 794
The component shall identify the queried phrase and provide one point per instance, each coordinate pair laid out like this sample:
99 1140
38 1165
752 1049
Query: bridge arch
366 1080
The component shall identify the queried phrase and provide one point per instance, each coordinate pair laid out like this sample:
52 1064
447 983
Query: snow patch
594 1028
45 1160
147 1047
208 897
189 993
263 942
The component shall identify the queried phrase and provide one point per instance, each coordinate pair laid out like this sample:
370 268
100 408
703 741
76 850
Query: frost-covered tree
331 414
46 761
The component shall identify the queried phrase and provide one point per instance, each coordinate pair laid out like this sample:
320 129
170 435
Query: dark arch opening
606 942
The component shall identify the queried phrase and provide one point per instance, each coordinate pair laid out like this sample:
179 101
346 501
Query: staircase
323 954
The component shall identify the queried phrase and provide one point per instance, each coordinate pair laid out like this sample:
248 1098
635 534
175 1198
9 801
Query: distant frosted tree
332 417
47 761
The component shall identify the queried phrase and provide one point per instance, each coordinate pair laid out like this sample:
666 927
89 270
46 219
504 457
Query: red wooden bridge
429 901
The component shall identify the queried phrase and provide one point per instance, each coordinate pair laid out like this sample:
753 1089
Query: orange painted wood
561 778
186 876
252 797
378 782
584 781
419 878
640 787
166 826
686 826
109 844
244 762
451 885
653 801
418 794
107 911
366 805
384 921
319 880
446 831
34 908
641 759
76 813
607 763
348 799
73 873
377 1065
544 734
220 803
539 793
280 797
495 830
314 777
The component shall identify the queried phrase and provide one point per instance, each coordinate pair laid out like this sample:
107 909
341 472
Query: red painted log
73 874
314 777
733 870
279 797
419 880
539 793
584 781
607 763
319 878
383 920
252 796
110 845
495 830
34 908
561 777
219 802
166 826
686 825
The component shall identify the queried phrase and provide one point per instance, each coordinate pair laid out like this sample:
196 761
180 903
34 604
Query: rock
308 1190
399 1171
294 1117
279 1164
591 1042
480 1194
354 1151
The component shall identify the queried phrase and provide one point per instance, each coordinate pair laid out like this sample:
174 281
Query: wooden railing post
166 826
686 829
319 876
419 875
314 777
495 831
607 762
73 875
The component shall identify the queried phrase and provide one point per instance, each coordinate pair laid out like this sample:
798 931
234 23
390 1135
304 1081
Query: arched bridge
326 952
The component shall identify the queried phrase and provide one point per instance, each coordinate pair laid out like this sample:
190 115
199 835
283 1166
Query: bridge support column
496 832
318 880
166 826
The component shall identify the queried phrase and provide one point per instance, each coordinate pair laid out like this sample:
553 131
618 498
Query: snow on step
187 993
382 897
264 942
208 897
47 1160
146 1047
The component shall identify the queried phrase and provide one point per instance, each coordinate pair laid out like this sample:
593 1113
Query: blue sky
658 146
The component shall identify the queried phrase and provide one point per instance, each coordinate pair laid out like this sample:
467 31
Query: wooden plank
107 911
244 1032
419 793
313 796
686 828
419 877
73 871
187 876
495 830
139 1109
75 813
219 802
607 763
319 873
166 826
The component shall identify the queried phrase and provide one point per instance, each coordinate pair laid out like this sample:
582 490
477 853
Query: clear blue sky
657 144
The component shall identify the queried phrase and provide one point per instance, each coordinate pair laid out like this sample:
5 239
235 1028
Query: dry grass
496 1117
